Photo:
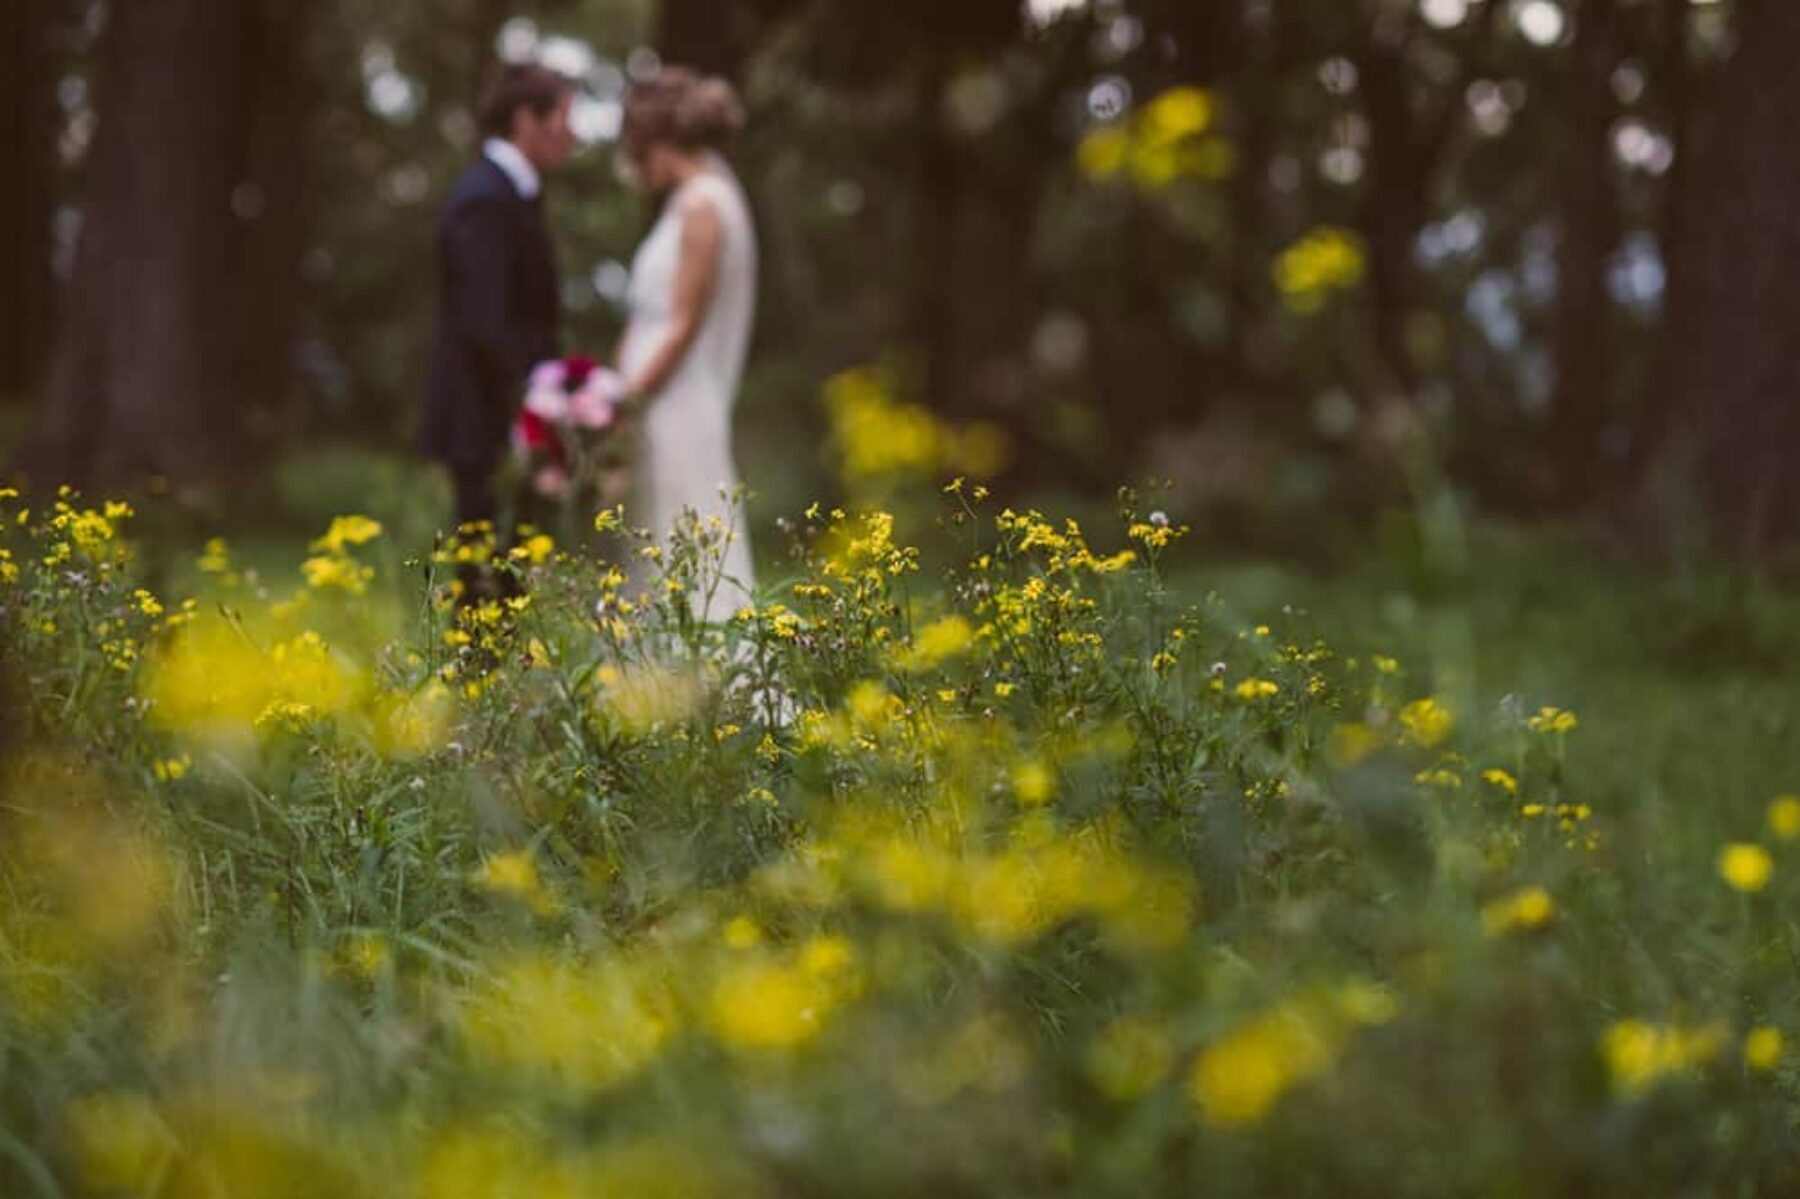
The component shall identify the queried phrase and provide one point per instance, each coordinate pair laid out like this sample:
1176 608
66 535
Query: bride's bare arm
619 347
696 281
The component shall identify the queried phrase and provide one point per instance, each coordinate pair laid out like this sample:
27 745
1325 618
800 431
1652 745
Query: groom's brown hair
511 86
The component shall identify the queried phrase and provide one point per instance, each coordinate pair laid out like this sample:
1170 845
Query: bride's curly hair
683 108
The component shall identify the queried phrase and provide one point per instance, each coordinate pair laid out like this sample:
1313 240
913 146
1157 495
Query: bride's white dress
686 456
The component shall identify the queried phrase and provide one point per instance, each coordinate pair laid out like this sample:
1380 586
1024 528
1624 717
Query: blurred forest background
1257 248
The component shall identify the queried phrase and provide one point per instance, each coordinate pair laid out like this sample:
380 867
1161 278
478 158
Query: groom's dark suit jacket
499 306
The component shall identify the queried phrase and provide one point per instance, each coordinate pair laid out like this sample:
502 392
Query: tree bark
26 287
1674 75
1407 142
182 299
1395 207
1735 359
700 34
1588 236
974 225
271 221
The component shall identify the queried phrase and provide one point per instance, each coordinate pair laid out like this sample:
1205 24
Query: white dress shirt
518 168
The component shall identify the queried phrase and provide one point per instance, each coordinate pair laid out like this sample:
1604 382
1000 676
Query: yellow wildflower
335 571
1428 722
591 1026
1746 867
938 643
346 531
536 549
764 1004
216 560
1239 1079
1324 261
1525 909
516 875
1784 817
169 770
1640 1055
1763 1048
1552 720
1033 782
1501 779
740 932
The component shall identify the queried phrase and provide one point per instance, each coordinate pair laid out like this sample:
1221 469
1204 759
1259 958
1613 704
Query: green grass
978 879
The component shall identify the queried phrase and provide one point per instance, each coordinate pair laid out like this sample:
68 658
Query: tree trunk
700 34
181 301
26 288
974 227
1588 235
272 230
1674 79
1395 206
1407 142
1735 360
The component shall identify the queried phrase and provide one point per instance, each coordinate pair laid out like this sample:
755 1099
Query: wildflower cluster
1024 873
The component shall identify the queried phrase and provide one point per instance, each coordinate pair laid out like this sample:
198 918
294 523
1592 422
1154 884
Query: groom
499 301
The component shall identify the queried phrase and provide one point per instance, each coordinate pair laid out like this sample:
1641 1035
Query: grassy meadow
986 854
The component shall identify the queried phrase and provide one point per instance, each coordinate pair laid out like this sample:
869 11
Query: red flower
537 435
576 369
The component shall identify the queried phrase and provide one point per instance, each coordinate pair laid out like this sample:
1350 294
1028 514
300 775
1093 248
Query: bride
693 302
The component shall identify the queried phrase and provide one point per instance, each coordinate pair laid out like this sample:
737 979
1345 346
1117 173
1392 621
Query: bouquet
564 433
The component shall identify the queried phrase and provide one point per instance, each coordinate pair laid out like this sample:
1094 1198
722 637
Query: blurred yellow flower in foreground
1639 1055
502 1162
587 1026
647 698
1129 1059
1763 1048
413 726
515 875
119 1141
1033 782
1784 816
1528 908
1352 744
1746 867
1240 1078
212 681
783 1001
1428 722
938 643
